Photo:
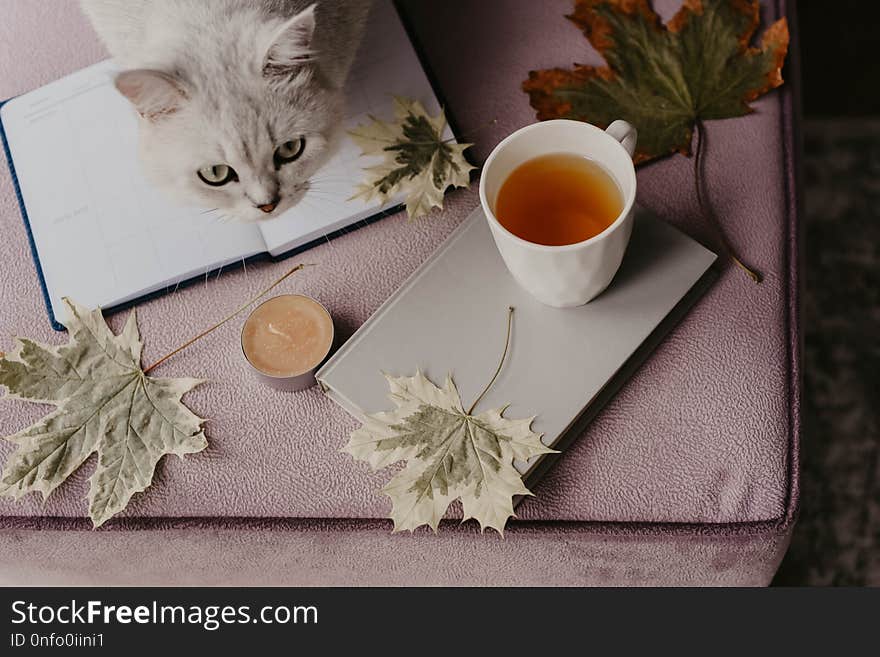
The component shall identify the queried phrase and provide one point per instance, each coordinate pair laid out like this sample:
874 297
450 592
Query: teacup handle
625 134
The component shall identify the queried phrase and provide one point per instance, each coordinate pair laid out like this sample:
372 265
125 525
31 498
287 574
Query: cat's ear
291 44
154 94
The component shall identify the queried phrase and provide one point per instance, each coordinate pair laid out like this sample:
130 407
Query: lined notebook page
103 235
386 66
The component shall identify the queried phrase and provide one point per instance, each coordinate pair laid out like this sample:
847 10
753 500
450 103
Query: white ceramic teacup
573 274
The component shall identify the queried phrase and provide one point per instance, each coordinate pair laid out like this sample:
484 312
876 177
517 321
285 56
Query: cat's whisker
331 185
322 203
326 185
210 210
325 198
309 205
330 189
312 208
315 202
322 195
336 191
325 175
327 178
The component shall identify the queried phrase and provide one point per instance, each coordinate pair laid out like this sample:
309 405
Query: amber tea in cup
558 199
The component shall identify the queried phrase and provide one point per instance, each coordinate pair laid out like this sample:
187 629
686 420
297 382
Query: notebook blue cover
58 326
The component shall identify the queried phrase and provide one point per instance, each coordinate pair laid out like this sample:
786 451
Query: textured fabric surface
340 553
700 442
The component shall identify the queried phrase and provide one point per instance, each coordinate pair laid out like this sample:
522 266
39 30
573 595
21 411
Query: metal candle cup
285 339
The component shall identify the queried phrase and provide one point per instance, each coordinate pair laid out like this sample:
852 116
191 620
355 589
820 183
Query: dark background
840 57
837 538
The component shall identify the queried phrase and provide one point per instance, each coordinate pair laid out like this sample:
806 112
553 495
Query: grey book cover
563 364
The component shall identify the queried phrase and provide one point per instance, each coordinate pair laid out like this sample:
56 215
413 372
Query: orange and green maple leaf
664 78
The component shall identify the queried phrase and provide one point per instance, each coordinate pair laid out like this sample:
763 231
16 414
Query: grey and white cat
239 99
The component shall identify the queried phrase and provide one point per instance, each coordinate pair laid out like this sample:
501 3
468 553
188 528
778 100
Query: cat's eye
217 175
289 151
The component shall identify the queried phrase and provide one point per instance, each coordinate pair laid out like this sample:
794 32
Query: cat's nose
271 205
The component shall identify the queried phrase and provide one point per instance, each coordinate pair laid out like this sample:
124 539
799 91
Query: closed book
563 364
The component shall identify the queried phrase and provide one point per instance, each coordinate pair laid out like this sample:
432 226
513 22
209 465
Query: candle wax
287 335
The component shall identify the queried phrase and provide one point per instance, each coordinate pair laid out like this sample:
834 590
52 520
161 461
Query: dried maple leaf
418 161
105 404
663 79
450 454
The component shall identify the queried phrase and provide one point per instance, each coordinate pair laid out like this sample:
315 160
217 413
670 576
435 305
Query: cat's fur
227 82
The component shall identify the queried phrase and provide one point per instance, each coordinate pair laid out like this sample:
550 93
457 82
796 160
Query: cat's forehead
255 109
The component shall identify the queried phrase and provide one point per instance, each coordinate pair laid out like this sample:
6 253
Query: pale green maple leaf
105 404
450 454
418 161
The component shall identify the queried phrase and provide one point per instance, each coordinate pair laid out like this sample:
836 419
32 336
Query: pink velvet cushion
704 433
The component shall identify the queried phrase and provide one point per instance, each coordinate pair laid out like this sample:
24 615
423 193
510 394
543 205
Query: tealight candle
285 339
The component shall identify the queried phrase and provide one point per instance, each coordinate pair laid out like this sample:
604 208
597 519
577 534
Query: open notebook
104 236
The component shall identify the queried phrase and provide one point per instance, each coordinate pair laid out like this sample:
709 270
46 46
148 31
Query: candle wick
275 331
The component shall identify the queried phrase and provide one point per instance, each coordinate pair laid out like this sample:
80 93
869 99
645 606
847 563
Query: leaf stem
500 363
228 317
706 206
